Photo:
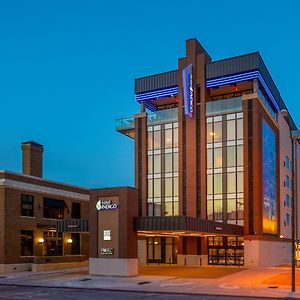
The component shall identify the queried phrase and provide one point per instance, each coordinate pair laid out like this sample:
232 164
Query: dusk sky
67 71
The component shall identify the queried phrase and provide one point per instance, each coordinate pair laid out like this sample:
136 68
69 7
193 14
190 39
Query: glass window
175 161
168 187
27 205
218 184
287 161
157 187
240 209
168 208
209 159
218 215
287 219
231 182
176 207
168 162
175 186
210 210
26 243
240 155
239 129
209 133
76 210
240 182
231 154
156 140
218 158
150 188
175 133
291 166
217 133
209 184
168 138
150 164
231 209
230 130
157 164
150 141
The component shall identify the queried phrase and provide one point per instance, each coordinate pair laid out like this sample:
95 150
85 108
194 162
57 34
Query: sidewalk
246 282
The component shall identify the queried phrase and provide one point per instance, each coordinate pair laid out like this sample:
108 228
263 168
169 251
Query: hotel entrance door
161 250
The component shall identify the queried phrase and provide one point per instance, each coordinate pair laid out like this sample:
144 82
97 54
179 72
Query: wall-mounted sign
106 205
188 92
107 251
107 235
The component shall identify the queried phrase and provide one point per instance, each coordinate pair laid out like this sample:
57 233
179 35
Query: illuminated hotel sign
106 205
188 92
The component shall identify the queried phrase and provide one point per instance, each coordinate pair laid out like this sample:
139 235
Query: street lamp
295 136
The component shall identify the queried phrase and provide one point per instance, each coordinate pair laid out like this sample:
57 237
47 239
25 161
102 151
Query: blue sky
67 71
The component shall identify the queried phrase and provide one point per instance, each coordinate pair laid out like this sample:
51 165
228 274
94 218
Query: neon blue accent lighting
153 95
242 77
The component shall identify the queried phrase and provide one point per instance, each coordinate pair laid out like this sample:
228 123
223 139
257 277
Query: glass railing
223 106
163 116
157 117
125 123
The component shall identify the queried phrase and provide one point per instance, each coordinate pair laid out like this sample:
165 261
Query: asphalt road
36 293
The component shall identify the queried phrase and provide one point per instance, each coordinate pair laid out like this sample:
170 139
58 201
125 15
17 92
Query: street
37 293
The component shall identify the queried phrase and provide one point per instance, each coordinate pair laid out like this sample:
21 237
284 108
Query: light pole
295 136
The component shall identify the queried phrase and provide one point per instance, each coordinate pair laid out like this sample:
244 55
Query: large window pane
168 162
231 156
240 182
168 209
156 140
218 184
168 187
175 137
209 159
239 129
240 155
157 187
217 134
230 130
209 184
218 157
231 209
157 164
175 161
150 188
218 215
150 162
210 210
26 242
150 141
231 183
209 133
175 186
168 138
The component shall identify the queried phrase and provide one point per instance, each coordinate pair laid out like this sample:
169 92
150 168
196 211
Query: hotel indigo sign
106 205
188 92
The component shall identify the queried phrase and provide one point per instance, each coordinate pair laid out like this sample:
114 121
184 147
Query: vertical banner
188 92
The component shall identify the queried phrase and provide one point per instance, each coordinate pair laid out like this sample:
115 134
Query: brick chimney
32 159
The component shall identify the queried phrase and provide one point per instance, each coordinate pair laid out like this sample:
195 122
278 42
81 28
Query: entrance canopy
183 225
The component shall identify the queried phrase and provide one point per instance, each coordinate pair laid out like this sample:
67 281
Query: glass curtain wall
163 170
225 172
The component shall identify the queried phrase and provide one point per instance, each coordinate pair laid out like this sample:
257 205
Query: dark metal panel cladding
232 65
156 82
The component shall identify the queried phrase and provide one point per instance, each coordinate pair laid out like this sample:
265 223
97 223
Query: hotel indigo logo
106 205
188 92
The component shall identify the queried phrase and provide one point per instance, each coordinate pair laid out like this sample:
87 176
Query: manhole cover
2 277
85 279
144 282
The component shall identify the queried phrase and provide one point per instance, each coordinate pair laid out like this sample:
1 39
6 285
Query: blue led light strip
157 94
242 77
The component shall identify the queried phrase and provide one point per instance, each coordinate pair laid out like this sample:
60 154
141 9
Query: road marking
226 286
176 284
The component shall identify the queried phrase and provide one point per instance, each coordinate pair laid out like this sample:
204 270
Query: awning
72 225
55 203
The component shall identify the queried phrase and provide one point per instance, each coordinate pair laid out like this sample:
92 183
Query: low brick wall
57 266
58 259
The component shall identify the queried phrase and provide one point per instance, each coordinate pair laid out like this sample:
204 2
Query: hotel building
214 163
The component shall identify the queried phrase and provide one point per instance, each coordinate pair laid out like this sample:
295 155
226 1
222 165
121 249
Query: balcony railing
125 123
223 106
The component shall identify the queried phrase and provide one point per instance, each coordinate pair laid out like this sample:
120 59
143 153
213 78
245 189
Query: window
287 181
54 209
27 205
75 210
26 243
291 166
287 200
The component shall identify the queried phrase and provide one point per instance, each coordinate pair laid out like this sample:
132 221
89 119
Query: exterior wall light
70 241
281 236
40 241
